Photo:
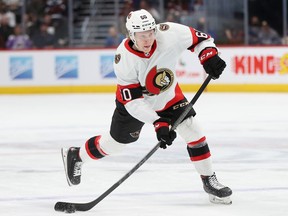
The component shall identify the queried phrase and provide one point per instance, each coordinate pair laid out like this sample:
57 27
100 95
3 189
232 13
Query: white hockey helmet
139 21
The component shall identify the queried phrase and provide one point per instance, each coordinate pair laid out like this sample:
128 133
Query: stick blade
60 206
66 206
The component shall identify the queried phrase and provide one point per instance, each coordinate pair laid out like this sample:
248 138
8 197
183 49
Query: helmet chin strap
132 37
136 46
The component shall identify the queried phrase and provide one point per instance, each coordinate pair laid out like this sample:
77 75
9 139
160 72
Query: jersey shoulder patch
117 58
163 27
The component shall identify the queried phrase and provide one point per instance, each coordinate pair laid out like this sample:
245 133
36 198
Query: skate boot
218 193
72 165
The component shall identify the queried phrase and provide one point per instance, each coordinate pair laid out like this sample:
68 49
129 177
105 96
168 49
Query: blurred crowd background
52 24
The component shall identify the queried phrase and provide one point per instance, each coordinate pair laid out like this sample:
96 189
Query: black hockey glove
211 62
164 135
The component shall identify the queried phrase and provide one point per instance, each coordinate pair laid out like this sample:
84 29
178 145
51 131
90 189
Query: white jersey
147 82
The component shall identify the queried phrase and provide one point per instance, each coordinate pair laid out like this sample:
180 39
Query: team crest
164 27
117 58
160 80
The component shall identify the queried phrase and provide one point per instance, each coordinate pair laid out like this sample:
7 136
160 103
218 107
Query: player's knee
98 147
190 130
109 145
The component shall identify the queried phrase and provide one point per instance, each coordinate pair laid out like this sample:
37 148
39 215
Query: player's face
145 40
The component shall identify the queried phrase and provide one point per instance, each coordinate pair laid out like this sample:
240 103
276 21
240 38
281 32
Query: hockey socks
199 154
93 149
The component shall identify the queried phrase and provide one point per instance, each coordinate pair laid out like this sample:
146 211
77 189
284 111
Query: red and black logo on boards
159 80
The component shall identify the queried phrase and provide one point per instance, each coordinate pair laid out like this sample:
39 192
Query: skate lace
77 169
214 183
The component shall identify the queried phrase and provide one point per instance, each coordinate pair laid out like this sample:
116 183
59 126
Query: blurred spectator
234 35
12 3
114 37
36 7
55 8
18 40
254 29
174 5
268 36
5 31
14 6
42 39
202 25
197 6
32 23
127 7
147 5
170 18
174 11
61 33
47 19
5 12
179 10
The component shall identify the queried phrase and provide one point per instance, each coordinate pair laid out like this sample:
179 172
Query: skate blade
64 159
218 200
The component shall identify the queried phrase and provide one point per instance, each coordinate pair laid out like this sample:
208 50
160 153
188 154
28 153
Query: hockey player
148 92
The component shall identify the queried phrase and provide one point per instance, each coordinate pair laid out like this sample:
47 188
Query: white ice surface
247 135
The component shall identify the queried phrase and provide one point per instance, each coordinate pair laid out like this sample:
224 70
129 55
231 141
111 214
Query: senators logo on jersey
163 27
159 80
117 58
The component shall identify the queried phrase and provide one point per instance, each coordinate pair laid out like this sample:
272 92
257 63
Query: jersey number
201 34
126 94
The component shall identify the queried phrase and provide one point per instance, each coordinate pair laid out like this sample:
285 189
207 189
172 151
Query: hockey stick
72 207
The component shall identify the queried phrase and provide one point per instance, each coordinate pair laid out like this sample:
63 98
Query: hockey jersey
147 82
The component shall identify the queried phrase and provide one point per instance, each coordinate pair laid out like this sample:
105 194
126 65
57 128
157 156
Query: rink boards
249 69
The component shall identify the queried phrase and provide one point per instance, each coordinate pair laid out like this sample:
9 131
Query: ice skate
218 193
72 165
